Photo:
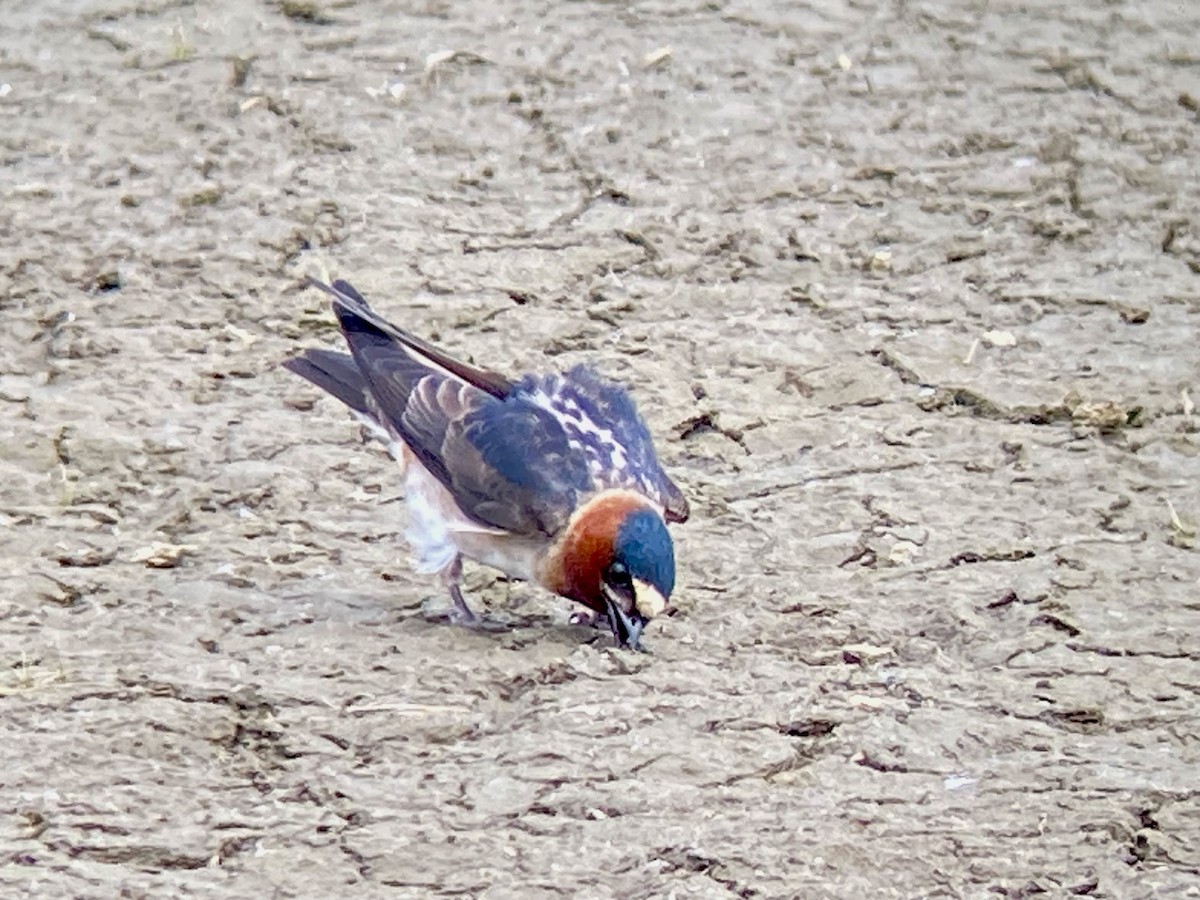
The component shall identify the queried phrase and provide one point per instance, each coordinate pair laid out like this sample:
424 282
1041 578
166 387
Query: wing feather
602 423
507 462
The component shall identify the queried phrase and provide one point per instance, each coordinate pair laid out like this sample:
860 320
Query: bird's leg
452 575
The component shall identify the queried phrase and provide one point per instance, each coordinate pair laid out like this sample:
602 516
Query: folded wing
507 462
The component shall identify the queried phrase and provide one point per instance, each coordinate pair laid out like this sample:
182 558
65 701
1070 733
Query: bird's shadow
524 630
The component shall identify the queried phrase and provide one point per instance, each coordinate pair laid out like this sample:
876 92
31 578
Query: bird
550 478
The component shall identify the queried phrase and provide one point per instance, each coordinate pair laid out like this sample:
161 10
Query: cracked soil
909 294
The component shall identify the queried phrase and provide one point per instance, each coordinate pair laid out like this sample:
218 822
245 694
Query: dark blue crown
644 545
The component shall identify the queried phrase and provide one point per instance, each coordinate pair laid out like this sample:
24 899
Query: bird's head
638 581
619 560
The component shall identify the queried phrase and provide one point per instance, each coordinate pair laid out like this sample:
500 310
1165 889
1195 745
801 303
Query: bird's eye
617 576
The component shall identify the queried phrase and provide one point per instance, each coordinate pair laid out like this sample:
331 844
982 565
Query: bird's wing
602 424
507 462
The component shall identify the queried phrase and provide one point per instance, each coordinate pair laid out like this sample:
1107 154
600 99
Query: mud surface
909 294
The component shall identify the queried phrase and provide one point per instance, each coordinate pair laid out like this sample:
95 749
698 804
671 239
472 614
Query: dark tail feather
332 372
356 317
347 288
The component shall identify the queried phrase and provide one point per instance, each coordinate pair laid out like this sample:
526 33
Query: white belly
438 531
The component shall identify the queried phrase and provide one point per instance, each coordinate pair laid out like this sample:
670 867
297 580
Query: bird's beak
627 626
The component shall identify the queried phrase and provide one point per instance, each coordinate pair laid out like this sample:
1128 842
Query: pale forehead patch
647 599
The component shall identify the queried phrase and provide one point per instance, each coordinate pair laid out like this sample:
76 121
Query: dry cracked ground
909 293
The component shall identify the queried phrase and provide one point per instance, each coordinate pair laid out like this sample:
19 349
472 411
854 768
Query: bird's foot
462 618
465 619
460 613
588 619
434 610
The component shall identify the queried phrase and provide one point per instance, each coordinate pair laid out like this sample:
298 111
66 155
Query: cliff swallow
549 478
